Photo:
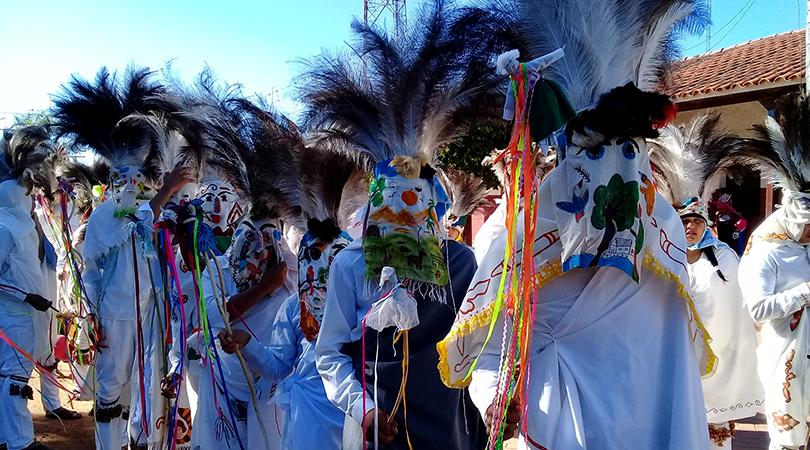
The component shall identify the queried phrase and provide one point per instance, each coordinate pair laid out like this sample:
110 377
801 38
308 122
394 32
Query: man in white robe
612 362
733 392
774 275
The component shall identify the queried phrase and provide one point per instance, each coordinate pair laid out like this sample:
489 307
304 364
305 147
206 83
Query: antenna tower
374 9
709 28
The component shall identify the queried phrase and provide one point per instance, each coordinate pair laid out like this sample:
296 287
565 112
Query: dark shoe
38 446
62 413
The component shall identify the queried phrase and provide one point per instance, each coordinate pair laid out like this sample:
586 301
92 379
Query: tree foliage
467 152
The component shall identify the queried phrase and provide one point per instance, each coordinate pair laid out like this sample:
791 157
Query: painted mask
221 210
403 228
130 189
256 243
604 198
315 256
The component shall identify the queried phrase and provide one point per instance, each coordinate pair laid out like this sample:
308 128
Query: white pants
15 370
209 432
114 370
50 394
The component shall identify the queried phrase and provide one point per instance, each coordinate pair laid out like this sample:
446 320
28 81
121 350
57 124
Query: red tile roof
768 60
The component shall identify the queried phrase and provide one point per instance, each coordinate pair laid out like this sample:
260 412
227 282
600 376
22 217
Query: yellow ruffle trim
548 272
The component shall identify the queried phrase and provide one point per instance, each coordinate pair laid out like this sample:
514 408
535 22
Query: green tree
467 152
31 118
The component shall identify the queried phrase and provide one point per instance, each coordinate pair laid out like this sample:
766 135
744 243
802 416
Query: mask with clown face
403 227
256 244
184 195
130 189
221 210
315 256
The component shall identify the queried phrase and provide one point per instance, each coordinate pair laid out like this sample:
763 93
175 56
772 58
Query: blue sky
252 42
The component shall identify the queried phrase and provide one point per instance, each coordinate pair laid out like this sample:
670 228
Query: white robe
773 279
734 391
259 320
614 364
491 229
310 420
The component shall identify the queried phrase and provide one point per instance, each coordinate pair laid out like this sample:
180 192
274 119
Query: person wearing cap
733 392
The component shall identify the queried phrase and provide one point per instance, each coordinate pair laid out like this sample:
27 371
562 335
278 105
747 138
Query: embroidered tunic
773 278
734 391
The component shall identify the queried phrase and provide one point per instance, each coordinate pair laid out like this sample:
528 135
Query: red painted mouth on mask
216 218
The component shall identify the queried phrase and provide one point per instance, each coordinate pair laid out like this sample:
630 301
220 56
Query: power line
747 5
751 5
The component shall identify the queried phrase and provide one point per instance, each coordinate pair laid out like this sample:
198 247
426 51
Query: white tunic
310 420
734 391
606 366
773 279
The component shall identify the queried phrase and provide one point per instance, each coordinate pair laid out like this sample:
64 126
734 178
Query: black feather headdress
780 152
405 96
80 177
270 143
24 156
121 119
217 141
324 172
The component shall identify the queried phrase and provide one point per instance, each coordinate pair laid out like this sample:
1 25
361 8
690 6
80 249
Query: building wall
737 118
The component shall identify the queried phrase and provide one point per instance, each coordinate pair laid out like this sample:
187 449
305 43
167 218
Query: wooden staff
224 314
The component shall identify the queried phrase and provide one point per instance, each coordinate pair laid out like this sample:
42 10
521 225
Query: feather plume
781 149
688 156
406 96
24 156
272 141
82 178
467 192
608 43
90 113
354 197
324 172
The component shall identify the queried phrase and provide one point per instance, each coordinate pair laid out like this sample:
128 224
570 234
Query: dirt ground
78 434
65 435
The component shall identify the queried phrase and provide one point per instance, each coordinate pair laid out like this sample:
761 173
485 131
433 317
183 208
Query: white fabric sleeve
484 383
175 355
277 359
489 231
339 318
91 277
6 244
213 297
757 279
146 215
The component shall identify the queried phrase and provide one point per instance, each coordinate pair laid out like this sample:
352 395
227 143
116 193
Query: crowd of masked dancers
222 277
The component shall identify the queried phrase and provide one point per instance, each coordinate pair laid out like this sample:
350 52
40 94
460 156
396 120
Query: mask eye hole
595 153
629 148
